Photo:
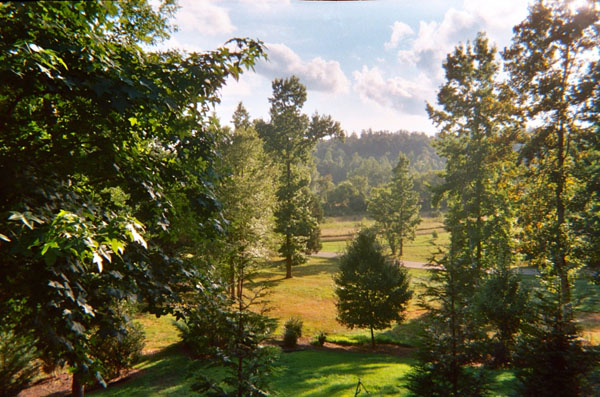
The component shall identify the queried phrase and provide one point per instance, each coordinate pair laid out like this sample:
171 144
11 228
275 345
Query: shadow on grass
317 266
312 373
404 334
165 373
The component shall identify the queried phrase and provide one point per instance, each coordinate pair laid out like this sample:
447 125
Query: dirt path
528 271
413 264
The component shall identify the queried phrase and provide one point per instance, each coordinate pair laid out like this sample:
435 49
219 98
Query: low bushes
292 331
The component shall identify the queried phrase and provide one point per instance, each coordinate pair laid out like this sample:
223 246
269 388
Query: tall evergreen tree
550 54
290 137
476 138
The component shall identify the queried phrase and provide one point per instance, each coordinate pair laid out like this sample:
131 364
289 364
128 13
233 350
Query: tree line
348 170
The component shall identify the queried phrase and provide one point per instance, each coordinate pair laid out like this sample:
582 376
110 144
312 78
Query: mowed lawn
166 370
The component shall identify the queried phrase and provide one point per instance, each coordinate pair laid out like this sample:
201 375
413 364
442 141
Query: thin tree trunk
560 261
372 338
288 236
77 387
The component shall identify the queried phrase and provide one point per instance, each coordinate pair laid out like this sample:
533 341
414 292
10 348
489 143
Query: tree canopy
96 137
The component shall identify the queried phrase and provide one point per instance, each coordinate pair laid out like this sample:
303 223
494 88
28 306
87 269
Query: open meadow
167 370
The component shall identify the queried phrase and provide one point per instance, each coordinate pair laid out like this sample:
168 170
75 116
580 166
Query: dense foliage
514 186
18 364
103 151
349 170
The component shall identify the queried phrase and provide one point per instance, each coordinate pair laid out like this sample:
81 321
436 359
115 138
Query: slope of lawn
166 370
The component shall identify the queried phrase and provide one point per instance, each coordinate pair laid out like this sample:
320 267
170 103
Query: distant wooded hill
348 170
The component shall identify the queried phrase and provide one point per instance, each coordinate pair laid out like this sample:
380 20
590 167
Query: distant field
337 232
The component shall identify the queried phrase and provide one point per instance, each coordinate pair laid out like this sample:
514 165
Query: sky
369 64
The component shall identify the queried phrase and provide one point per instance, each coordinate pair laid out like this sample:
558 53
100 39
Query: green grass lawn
303 373
309 295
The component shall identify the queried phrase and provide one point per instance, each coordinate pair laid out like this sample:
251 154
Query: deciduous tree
96 137
395 208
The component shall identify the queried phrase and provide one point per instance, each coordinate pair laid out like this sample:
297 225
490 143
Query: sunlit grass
310 295
421 249
160 332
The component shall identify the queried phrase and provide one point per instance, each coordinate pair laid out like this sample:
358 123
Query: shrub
206 325
18 364
118 350
321 338
293 331
434 234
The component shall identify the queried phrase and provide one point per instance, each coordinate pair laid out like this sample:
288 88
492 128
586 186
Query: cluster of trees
119 189
347 171
520 187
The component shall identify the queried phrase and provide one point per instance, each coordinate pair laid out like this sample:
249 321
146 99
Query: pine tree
290 137
372 292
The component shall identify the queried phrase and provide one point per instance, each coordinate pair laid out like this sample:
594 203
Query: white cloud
266 5
498 16
421 54
400 30
397 93
203 16
317 74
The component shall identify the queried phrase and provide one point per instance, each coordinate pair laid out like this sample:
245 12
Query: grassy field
337 232
310 295
166 371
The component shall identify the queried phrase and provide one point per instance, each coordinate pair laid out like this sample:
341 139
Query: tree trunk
288 258
77 388
400 248
288 236
372 338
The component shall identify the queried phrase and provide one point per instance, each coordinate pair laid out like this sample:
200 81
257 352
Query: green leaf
133 121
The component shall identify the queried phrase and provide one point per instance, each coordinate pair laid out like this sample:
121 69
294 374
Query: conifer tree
372 292
290 137
550 54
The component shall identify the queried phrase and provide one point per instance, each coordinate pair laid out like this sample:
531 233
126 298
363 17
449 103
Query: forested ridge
348 169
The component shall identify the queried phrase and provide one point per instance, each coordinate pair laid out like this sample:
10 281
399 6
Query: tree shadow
313 372
317 266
